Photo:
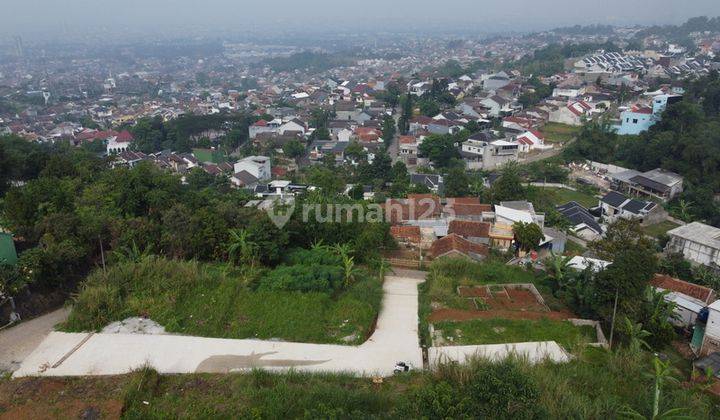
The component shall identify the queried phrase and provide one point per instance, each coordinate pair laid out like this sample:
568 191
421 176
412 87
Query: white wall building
711 342
698 242
257 166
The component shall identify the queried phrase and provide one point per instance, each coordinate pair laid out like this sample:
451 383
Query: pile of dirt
135 326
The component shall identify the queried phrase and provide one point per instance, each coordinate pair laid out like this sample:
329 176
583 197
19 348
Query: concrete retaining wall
534 352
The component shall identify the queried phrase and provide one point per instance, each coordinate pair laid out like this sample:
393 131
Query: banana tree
662 374
348 262
240 248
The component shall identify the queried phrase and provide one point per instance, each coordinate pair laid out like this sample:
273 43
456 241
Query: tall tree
441 150
389 130
509 185
457 183
528 235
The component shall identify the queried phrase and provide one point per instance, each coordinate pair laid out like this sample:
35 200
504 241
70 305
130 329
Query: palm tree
662 375
636 337
241 248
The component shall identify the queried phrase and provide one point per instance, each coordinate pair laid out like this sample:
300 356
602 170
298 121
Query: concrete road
17 342
395 339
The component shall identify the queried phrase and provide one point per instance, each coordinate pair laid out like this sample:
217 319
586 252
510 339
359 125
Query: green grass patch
659 229
559 133
210 301
561 196
499 331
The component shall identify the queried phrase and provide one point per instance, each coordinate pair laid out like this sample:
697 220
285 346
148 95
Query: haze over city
48 17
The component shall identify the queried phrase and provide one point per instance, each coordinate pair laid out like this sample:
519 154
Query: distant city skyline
55 18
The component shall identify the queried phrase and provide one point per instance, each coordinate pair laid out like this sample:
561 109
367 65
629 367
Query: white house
617 206
711 341
119 143
531 140
569 91
699 243
345 135
581 263
496 105
510 212
257 166
488 155
263 126
572 114
292 125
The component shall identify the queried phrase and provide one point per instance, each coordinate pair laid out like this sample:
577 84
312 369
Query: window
635 121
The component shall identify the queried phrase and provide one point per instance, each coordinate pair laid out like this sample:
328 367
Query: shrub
483 389
503 390
303 278
318 255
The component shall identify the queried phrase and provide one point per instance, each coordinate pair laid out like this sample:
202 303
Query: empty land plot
559 133
499 331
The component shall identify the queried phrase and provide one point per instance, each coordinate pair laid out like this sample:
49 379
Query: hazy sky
23 16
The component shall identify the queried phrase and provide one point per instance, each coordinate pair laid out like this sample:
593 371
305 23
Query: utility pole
102 254
612 325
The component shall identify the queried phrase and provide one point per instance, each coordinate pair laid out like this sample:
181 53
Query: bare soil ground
500 303
44 398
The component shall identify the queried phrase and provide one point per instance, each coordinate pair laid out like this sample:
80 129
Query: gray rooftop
625 176
698 232
664 177
519 205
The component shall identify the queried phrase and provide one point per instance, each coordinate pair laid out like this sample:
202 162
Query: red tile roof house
689 298
368 134
704 294
531 139
408 235
454 245
119 143
261 126
415 207
476 232
465 211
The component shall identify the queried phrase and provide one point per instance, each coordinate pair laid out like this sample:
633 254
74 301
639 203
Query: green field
561 196
214 301
499 331
660 228
559 133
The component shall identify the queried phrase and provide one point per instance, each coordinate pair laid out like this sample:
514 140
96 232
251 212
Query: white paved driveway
17 342
395 339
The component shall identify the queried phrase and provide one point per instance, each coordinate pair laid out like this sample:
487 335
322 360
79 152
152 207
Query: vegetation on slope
221 301
595 385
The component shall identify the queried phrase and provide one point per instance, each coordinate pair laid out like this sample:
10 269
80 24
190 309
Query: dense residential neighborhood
417 225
